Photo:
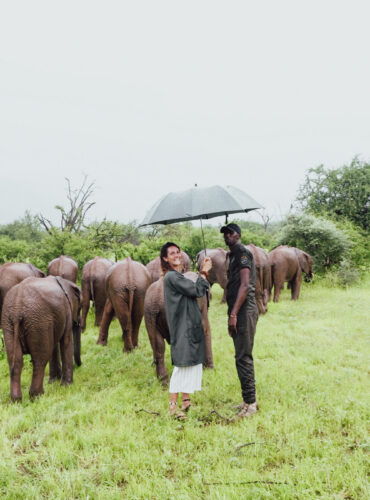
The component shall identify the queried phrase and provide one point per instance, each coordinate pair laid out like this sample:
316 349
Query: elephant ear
305 261
36 271
76 290
227 260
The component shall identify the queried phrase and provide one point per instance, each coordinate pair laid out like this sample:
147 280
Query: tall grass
99 439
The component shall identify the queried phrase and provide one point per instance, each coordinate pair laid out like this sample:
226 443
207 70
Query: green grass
309 439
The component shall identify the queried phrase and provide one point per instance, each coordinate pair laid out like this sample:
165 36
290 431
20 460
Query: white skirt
186 379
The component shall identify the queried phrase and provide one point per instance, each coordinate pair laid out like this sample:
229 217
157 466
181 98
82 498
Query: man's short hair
231 228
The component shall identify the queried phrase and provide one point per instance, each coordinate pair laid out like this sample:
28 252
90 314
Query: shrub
327 244
14 250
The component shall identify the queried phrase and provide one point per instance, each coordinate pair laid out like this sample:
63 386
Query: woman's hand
206 265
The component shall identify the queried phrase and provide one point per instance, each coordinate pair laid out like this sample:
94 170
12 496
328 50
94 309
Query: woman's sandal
179 415
186 408
173 408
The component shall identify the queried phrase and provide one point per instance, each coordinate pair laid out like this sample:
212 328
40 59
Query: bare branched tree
266 218
73 217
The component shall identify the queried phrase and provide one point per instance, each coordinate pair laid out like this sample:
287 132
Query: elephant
65 267
39 314
220 264
287 264
93 288
157 328
155 270
263 277
218 273
12 273
125 284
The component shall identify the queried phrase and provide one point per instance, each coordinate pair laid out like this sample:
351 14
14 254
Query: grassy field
309 439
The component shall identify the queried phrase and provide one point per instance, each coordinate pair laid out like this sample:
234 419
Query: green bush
15 250
360 251
327 244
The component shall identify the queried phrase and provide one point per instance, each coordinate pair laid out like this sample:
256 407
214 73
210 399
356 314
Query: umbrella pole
204 244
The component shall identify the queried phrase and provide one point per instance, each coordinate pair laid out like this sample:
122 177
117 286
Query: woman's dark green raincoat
184 318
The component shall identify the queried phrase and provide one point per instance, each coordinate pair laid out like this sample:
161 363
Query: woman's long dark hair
165 265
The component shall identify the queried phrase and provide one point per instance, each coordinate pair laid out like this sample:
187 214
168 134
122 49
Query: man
243 313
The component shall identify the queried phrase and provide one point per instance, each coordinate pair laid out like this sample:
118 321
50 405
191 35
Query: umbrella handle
204 244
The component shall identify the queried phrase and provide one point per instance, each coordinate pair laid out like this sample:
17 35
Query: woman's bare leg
185 400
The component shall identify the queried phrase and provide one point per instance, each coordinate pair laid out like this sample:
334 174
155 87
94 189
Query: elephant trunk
308 277
77 343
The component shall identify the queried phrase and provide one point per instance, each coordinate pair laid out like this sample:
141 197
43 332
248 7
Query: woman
185 325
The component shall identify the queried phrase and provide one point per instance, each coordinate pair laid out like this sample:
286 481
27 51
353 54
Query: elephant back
64 266
127 274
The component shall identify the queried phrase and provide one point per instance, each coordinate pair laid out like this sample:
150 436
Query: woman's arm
187 287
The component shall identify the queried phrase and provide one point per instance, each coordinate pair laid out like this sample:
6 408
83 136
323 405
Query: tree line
330 221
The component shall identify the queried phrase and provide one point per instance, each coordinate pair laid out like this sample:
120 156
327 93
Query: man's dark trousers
243 342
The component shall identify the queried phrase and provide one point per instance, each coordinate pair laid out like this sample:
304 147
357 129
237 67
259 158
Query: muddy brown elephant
155 270
263 277
93 288
218 272
220 264
12 273
65 267
157 328
38 315
287 264
126 283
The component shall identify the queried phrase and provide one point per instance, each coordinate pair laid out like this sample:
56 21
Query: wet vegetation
109 435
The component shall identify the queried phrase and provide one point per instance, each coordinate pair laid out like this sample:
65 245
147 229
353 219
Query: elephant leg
85 304
278 285
265 299
207 334
15 374
122 311
100 299
295 286
66 349
55 370
106 321
77 344
223 299
137 316
159 362
37 384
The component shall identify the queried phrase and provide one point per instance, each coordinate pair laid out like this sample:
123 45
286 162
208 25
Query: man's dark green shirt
240 258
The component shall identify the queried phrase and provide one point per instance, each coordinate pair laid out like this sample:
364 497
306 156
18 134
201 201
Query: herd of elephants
44 315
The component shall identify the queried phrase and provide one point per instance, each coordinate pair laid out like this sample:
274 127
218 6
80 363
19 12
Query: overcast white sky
153 96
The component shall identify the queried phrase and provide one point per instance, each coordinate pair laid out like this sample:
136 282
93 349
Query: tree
341 193
327 244
26 228
73 218
266 218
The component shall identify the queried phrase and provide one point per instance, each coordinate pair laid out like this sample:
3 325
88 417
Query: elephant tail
16 343
91 281
130 307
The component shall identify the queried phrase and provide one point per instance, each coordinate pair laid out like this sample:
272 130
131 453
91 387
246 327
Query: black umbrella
200 203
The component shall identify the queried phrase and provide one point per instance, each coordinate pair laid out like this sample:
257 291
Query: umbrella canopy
199 203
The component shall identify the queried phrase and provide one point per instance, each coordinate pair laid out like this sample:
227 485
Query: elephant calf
39 314
218 272
158 332
93 288
263 277
12 273
65 267
287 264
126 283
